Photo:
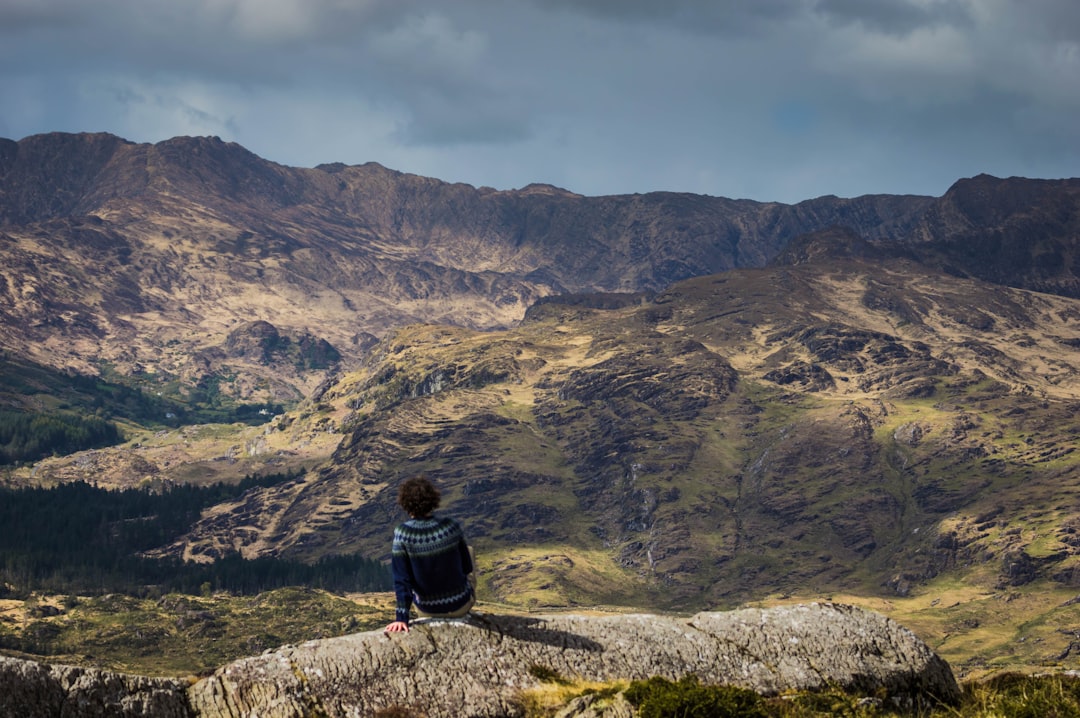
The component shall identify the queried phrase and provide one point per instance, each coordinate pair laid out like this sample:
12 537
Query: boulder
480 665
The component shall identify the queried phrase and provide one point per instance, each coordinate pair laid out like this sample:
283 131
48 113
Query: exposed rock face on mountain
1022 233
480 666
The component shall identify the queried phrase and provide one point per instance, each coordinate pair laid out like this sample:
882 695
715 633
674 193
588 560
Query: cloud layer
772 100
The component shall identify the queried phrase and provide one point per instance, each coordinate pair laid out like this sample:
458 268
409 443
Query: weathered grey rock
38 690
592 706
478 666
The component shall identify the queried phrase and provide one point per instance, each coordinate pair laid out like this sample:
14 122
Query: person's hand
397 627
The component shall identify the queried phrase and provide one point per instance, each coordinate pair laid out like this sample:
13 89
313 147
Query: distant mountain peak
836 242
541 188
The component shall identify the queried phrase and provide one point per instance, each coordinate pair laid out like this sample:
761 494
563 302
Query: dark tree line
31 436
86 406
76 538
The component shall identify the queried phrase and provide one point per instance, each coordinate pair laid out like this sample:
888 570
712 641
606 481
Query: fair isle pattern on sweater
426 537
431 562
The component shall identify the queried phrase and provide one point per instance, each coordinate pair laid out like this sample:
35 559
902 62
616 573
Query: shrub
660 698
834 701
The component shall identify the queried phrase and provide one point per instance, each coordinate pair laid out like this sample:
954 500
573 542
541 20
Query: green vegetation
660 698
76 538
60 413
151 401
32 436
1020 696
549 675
1006 696
178 634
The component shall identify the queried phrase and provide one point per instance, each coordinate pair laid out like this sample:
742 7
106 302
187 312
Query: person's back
431 561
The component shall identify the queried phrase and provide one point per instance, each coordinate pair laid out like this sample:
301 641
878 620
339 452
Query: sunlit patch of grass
1022 696
556 577
554 692
517 410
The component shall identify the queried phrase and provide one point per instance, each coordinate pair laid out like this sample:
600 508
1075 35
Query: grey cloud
895 17
712 16
434 122
1057 20
770 99
236 38
125 95
402 54
18 16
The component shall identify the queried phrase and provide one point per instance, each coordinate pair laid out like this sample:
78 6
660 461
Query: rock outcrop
38 690
479 666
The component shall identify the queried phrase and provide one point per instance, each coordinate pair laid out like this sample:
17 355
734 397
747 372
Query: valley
663 402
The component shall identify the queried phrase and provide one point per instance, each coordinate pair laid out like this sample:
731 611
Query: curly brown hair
418 497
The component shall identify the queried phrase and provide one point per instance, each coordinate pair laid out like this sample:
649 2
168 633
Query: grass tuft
660 698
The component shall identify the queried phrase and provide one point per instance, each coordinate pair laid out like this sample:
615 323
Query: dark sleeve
403 580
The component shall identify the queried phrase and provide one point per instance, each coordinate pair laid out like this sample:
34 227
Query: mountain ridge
203 224
181 241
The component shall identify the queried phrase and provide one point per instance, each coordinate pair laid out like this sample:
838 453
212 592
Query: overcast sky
765 99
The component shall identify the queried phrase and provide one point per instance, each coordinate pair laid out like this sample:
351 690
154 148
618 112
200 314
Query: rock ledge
478 666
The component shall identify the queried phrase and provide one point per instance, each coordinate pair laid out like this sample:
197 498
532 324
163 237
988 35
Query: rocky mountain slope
156 261
153 260
1021 234
816 426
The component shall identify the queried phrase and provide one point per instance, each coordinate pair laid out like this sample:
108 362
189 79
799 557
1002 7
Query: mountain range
665 399
173 258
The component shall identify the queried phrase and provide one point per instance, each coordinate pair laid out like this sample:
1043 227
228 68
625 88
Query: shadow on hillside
532 630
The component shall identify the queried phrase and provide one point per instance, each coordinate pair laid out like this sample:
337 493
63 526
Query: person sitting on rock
432 564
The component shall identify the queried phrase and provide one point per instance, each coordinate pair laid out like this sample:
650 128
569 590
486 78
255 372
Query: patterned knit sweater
430 562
